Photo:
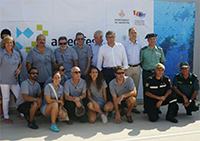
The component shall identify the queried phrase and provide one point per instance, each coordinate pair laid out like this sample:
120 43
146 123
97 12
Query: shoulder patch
169 80
144 47
147 85
194 75
160 48
177 74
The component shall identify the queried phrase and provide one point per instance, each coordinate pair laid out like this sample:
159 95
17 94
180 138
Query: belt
152 71
134 65
108 67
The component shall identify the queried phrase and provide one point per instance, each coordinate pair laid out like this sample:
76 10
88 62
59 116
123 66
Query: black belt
109 68
134 65
152 71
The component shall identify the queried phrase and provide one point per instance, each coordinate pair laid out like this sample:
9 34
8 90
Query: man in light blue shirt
98 35
133 55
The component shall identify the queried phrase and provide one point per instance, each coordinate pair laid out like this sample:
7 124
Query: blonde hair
6 39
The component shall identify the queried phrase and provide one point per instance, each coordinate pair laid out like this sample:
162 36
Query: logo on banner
139 17
28 33
121 20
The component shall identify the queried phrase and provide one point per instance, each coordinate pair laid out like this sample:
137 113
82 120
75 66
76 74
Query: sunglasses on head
62 70
63 43
120 72
80 38
76 72
34 73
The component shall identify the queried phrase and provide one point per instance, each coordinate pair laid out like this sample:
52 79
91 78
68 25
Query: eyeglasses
76 72
110 37
62 70
34 73
184 68
120 72
80 38
63 43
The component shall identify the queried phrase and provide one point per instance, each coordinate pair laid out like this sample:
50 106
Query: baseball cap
184 65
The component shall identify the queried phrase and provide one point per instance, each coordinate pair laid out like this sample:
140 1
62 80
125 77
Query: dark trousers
108 75
70 106
191 107
152 110
145 75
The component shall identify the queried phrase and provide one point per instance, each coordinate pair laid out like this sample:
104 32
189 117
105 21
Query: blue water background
174 23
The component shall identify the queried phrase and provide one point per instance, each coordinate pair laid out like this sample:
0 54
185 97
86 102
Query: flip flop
7 121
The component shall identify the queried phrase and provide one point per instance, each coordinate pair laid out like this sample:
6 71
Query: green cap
184 65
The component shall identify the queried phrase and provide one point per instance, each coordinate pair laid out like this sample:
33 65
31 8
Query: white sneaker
104 118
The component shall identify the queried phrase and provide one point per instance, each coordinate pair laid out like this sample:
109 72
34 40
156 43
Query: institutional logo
139 14
28 33
139 17
121 20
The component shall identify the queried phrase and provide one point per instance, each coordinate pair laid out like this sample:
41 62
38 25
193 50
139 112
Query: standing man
133 54
75 92
98 38
42 58
149 56
84 54
30 98
158 93
6 32
111 55
123 93
66 56
186 86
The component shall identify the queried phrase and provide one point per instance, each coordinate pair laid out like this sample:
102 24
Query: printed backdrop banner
172 21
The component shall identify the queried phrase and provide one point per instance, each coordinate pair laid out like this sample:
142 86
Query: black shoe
189 113
134 110
129 119
70 122
32 125
145 111
159 111
172 119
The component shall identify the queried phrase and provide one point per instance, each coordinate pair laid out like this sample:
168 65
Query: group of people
81 81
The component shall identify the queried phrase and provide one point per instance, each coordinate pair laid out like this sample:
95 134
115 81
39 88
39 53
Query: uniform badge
190 82
169 80
147 85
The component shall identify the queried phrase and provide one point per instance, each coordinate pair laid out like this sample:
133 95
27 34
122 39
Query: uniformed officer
158 93
149 56
186 86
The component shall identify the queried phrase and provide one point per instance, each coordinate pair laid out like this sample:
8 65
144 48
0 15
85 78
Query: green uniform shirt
150 58
186 86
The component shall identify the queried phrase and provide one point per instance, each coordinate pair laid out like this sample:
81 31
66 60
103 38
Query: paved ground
188 128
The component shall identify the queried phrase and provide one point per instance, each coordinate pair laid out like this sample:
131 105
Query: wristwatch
190 100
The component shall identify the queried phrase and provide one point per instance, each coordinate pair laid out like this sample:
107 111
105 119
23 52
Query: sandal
8 121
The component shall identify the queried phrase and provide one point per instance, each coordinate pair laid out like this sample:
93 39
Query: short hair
118 68
7 38
56 67
39 36
55 72
79 33
5 31
32 68
99 33
109 33
62 38
129 30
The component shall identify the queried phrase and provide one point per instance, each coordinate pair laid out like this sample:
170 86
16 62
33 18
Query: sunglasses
63 43
76 72
62 70
34 73
80 38
120 72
